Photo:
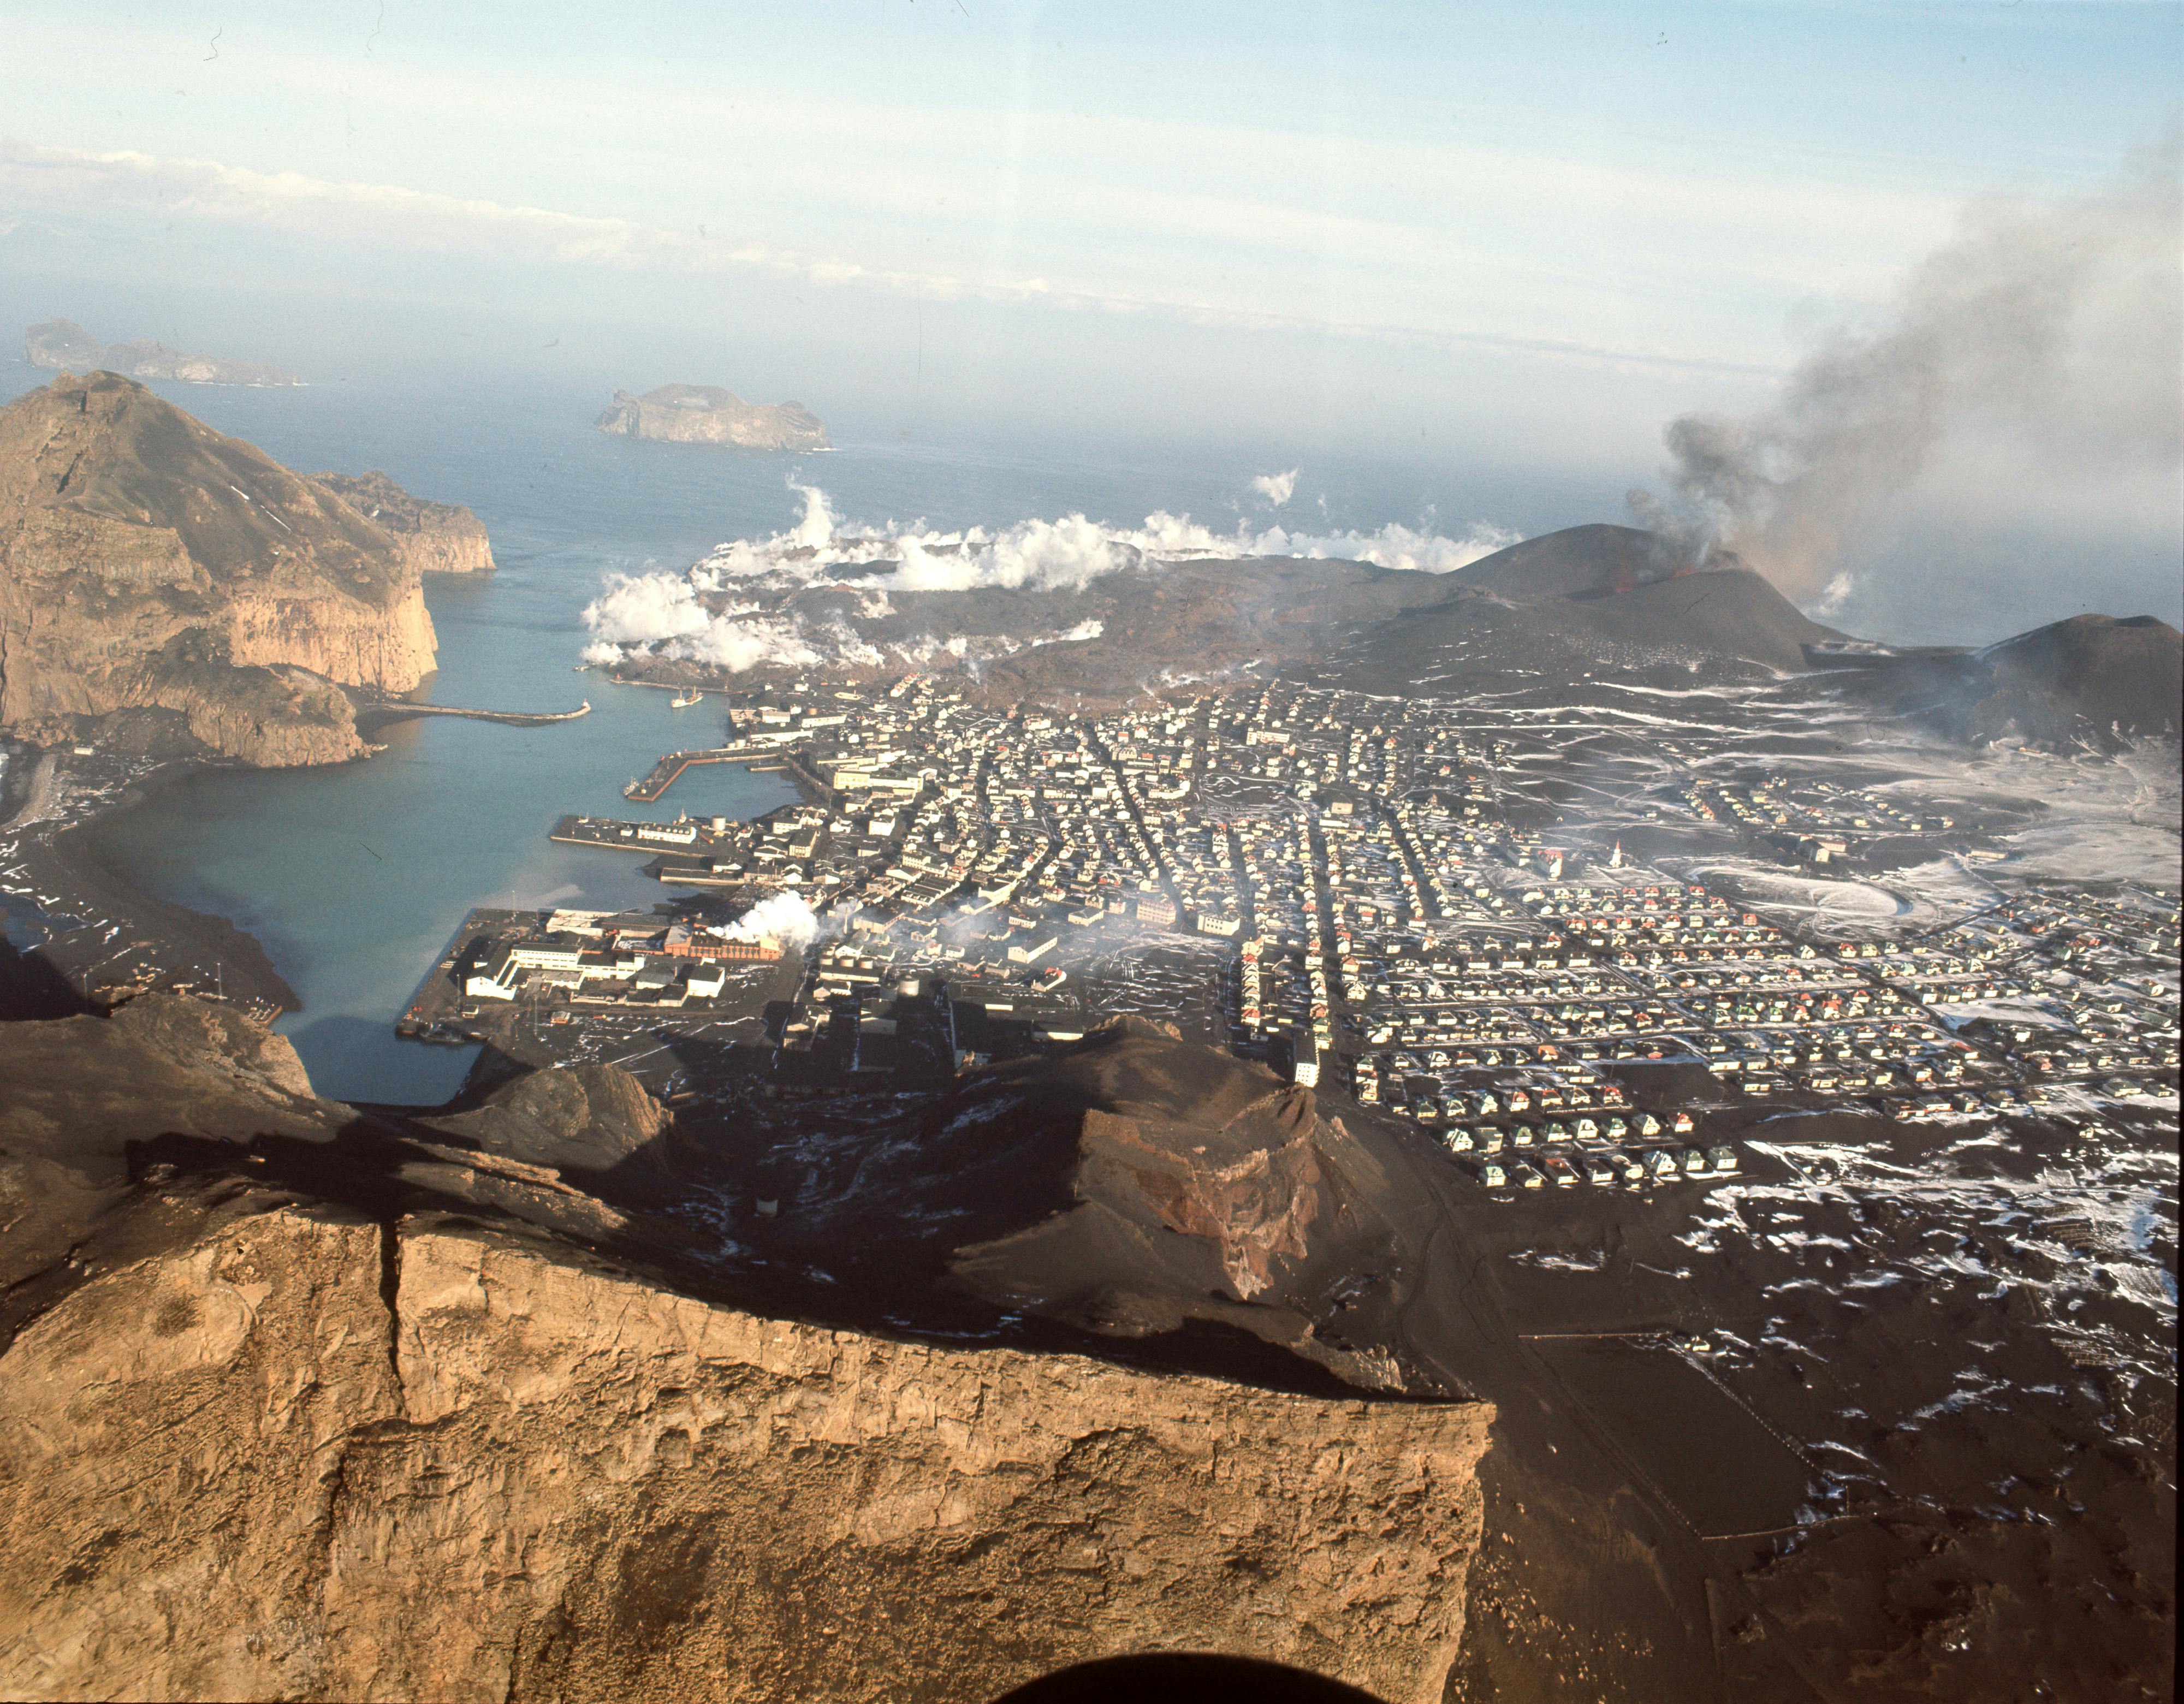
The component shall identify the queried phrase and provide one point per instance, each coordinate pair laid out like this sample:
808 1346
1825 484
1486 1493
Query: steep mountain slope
154 569
1721 620
1578 561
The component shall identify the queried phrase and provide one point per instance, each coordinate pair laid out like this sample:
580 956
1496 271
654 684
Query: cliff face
64 345
705 414
437 538
258 1444
152 568
300 1455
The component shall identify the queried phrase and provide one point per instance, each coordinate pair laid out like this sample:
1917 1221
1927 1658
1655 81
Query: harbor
651 788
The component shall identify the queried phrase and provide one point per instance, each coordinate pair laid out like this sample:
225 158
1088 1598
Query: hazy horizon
1519 245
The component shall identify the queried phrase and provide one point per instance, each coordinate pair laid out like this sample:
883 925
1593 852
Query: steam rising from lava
724 611
2058 322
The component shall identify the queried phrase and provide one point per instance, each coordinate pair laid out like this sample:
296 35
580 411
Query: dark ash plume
2061 322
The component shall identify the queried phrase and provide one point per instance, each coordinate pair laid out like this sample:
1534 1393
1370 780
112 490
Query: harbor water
354 876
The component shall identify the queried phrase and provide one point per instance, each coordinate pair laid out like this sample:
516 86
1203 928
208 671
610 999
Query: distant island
64 346
707 414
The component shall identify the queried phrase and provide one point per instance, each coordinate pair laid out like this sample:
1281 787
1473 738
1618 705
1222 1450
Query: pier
380 713
649 790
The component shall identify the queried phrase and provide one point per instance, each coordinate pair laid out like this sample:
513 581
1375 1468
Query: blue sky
1533 231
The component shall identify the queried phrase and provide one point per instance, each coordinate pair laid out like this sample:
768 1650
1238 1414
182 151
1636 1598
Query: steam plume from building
783 917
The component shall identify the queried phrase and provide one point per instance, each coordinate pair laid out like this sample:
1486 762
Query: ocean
354 876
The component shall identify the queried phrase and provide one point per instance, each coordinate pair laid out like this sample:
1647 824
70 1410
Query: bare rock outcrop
707 414
394 1436
153 568
300 1455
63 345
438 538
76 1092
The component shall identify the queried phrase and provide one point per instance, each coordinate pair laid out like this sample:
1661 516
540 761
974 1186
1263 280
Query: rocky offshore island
707 414
63 345
180 591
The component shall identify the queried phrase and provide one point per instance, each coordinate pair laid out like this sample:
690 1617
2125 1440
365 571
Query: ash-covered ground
1751 1067
1860 1384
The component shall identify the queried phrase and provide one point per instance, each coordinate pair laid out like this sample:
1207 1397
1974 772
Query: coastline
105 937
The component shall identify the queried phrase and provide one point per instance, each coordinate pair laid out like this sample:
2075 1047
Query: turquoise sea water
354 876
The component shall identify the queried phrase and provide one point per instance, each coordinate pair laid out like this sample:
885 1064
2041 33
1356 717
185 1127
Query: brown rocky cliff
437 538
151 565
258 1443
248 1467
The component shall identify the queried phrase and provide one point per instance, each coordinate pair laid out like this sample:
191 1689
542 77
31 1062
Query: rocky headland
62 345
707 414
179 590
279 1371
437 538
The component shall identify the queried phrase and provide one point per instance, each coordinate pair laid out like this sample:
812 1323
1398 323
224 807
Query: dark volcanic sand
99 932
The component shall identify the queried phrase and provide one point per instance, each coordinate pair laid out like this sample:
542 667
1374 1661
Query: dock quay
649 790
691 838
433 999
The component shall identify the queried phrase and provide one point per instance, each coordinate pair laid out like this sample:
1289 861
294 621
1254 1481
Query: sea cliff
177 587
437 538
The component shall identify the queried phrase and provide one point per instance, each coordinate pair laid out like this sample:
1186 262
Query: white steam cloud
1063 555
684 616
1277 487
1076 635
2053 325
662 612
783 917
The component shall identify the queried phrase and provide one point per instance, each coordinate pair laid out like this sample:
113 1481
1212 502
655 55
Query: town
1429 908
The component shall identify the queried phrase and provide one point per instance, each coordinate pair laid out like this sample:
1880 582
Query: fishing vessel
685 699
